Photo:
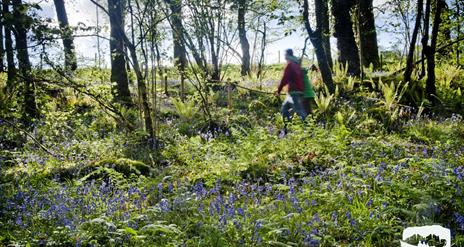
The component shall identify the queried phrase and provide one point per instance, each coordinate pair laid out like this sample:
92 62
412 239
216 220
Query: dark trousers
297 107
308 105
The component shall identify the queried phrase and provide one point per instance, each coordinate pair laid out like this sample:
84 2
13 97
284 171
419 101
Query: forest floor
361 169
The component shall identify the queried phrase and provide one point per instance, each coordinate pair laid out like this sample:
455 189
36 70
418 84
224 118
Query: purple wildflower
350 199
369 203
459 220
241 211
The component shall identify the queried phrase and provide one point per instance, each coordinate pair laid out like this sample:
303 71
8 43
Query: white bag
288 99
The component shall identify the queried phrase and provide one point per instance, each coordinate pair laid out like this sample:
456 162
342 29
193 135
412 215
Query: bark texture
346 42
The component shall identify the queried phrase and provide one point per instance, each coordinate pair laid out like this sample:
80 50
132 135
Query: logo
425 231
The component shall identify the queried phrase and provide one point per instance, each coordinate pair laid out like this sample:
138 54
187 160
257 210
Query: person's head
288 53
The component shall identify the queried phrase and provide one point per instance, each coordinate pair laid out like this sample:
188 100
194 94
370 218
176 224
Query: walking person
293 79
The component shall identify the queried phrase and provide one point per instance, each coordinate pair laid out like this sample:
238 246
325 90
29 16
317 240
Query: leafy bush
323 102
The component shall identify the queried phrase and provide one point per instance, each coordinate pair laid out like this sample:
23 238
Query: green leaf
130 231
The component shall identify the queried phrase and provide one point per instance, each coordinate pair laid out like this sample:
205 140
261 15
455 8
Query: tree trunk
2 48
263 51
242 8
141 83
30 108
66 34
185 40
142 90
180 56
8 45
430 53
316 40
211 35
458 45
425 36
346 42
216 72
141 86
119 75
412 46
369 46
323 24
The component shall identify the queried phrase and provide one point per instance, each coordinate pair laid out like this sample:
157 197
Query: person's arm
284 80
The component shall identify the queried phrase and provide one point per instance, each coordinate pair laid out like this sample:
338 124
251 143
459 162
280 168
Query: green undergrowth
357 172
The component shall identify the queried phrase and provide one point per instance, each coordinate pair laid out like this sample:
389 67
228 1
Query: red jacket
293 76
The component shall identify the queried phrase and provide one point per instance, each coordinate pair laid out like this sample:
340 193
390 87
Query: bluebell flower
170 187
369 203
350 199
164 205
241 211
294 201
334 216
316 218
314 242
348 215
258 225
231 211
223 220
424 151
459 218
259 239
352 222
211 208
268 189
217 205
397 168
280 197
292 190
217 187
200 191
19 221
160 189
232 198
459 172
253 187
133 224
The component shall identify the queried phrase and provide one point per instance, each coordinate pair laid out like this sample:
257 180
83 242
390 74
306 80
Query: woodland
172 134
